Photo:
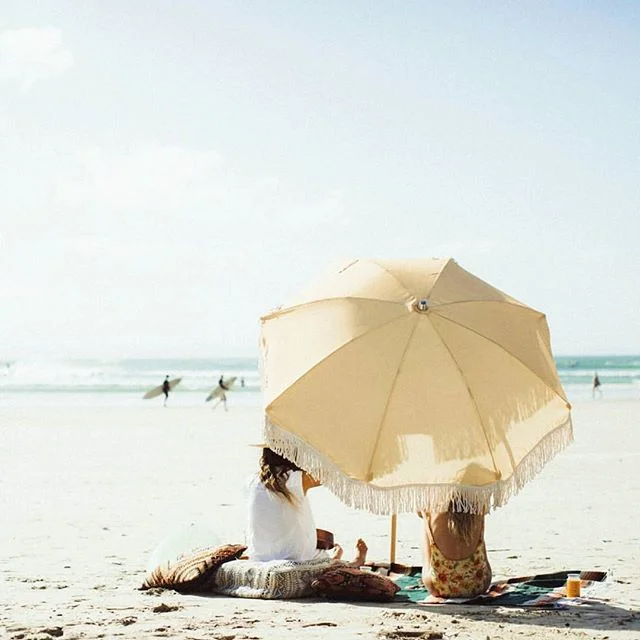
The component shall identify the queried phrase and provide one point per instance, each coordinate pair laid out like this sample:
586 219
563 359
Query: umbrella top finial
422 305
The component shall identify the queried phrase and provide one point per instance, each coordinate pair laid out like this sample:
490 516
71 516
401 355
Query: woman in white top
281 525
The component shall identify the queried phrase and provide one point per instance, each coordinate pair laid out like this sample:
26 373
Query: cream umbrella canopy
403 385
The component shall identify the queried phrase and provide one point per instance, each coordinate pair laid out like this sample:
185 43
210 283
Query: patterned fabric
347 583
544 590
195 572
277 579
467 577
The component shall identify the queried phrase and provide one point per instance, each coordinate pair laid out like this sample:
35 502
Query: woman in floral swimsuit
456 563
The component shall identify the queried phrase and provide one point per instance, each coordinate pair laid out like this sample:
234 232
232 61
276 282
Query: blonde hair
461 524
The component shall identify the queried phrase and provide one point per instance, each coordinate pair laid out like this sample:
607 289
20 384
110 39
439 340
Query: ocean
123 382
93 382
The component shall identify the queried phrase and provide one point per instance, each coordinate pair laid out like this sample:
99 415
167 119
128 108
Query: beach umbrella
403 385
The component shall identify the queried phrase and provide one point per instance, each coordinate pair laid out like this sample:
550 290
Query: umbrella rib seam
393 384
295 307
473 401
436 307
402 284
501 347
320 362
502 293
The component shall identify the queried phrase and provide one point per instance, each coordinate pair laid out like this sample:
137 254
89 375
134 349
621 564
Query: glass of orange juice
573 585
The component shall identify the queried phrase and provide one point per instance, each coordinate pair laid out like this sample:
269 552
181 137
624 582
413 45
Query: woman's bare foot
337 552
361 556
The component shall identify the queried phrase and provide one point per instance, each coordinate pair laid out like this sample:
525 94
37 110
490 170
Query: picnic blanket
545 590
217 570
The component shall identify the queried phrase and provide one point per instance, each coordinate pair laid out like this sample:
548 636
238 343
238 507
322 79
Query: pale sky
169 171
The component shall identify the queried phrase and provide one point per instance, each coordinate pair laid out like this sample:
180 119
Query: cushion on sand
277 579
349 583
194 572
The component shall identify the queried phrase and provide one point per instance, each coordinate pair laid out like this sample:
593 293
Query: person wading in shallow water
596 385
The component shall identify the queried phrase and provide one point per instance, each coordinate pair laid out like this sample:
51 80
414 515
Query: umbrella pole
392 548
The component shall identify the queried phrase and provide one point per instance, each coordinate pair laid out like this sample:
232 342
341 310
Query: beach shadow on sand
594 616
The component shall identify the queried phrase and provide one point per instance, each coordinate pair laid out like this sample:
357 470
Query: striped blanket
545 590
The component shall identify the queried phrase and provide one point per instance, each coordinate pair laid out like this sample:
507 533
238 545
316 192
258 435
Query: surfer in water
166 387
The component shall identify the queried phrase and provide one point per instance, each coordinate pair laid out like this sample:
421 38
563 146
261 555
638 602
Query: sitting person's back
281 525
456 563
281 528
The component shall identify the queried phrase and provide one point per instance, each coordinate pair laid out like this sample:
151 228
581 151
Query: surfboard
157 391
217 391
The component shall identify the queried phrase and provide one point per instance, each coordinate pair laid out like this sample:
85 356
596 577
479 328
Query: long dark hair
274 472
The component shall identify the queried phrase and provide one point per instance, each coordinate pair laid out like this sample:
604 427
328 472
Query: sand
86 494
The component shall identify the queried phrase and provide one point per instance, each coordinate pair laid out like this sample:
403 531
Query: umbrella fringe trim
361 495
552 444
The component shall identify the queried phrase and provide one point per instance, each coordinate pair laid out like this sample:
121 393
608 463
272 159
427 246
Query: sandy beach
407 231
87 493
